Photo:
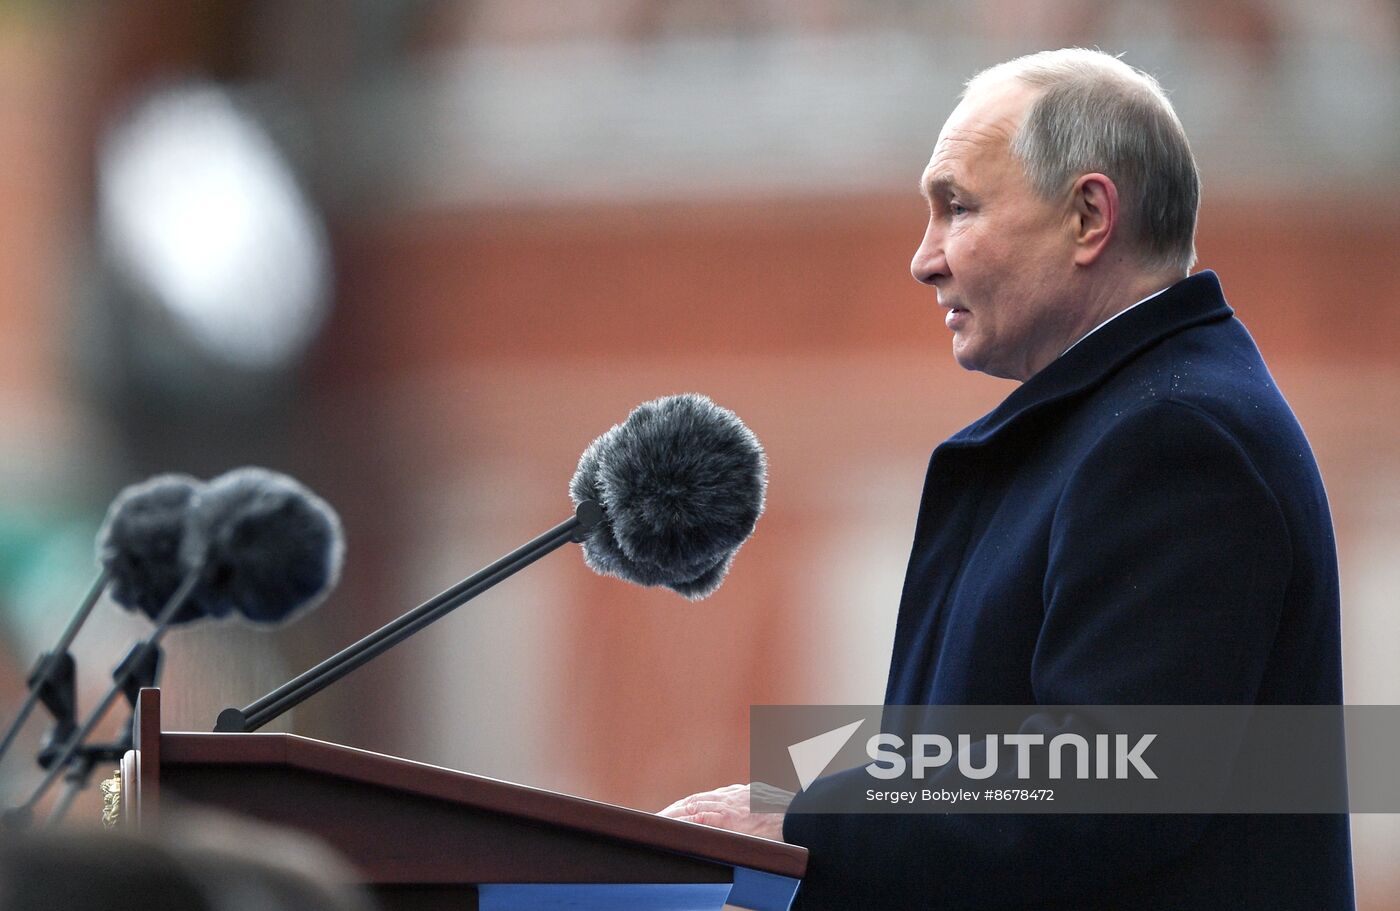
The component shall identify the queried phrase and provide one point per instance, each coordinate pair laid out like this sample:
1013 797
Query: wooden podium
424 837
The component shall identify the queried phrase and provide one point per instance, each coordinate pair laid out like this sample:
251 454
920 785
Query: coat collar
1190 302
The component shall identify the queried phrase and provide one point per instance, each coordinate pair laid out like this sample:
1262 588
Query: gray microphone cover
269 547
139 544
682 481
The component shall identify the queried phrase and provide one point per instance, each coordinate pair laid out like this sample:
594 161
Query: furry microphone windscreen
269 546
682 481
139 544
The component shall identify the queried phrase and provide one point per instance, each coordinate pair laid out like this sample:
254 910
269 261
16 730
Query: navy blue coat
1142 522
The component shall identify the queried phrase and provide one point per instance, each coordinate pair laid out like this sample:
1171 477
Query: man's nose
929 264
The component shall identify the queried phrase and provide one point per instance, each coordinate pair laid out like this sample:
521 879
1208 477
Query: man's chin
970 358
965 356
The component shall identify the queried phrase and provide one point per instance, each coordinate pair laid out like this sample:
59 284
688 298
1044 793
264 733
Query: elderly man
1141 521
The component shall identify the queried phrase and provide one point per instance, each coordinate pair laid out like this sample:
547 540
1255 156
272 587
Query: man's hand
728 808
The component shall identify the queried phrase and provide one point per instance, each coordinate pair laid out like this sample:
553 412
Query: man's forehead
960 152
984 122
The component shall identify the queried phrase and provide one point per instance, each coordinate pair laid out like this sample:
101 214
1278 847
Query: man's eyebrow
938 185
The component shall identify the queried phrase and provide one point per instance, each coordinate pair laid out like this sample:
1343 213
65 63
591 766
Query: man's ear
1095 210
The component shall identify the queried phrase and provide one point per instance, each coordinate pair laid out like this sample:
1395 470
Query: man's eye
957 208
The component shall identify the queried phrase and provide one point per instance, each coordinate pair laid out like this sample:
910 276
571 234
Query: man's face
999 256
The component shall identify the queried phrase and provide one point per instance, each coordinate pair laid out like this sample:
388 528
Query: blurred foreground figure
1140 522
200 862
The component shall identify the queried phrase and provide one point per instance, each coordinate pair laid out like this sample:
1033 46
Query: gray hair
1096 113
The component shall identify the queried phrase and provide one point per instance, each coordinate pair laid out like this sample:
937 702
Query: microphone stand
52 680
295 691
137 662
138 670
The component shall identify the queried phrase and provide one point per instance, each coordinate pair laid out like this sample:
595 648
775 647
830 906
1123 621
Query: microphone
681 485
682 482
272 550
255 544
137 549
139 543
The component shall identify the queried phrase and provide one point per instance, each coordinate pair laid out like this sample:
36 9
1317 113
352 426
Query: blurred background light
197 206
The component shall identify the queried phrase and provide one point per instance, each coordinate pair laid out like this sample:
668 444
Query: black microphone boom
665 498
253 716
55 666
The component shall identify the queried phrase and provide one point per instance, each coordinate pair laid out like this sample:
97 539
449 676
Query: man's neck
1108 300
1112 298
1139 296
